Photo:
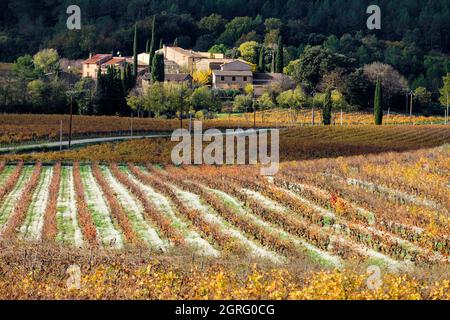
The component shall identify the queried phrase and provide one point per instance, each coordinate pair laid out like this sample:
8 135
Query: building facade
232 75
91 65
102 61
188 61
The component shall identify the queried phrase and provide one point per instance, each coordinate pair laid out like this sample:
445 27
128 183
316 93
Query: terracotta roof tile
115 60
97 58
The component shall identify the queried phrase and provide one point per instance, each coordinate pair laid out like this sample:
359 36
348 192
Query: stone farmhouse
180 64
226 73
103 61
91 65
232 75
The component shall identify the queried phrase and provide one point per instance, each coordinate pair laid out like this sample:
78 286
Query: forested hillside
27 25
414 37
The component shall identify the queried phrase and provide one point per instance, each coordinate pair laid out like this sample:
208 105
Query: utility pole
70 121
71 93
411 106
131 125
60 135
254 113
312 114
446 117
406 100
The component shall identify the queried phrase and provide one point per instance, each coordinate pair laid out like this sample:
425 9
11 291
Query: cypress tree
130 80
326 113
279 63
123 74
123 78
261 67
135 59
378 104
157 73
147 45
160 43
175 42
151 46
99 80
127 79
153 74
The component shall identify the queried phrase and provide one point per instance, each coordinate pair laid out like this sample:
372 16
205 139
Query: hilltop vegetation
326 43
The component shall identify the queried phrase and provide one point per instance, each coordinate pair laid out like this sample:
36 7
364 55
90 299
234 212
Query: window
222 78
233 79
245 78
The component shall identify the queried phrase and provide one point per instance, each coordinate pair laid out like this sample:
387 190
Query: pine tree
135 59
151 47
378 104
261 67
327 104
279 63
